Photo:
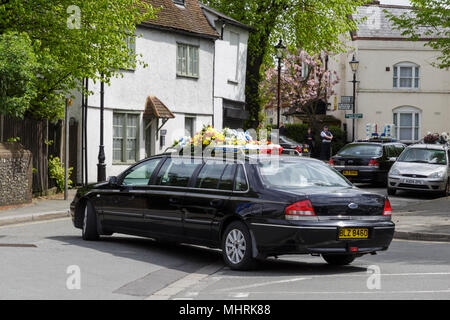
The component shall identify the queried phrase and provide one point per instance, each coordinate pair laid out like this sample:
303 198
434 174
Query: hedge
297 132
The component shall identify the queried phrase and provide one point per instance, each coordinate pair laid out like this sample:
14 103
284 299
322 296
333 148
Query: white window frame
234 51
415 78
194 120
188 63
125 138
416 115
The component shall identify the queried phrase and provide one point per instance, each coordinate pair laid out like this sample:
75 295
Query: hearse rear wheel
237 247
338 259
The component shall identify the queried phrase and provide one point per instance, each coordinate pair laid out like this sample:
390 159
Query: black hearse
251 208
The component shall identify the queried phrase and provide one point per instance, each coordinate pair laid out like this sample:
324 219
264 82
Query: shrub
297 132
56 171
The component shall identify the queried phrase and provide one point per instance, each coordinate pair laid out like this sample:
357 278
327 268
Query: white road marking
263 284
239 295
346 292
185 282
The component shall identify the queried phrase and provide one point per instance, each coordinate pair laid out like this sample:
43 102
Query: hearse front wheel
237 247
338 259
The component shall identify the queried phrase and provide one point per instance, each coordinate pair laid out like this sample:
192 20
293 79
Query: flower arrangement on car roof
226 139
434 138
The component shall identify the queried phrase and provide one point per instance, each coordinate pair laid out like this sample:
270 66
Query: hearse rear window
176 172
240 183
209 175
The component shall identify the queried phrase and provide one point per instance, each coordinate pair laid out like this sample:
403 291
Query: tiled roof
188 18
377 24
154 108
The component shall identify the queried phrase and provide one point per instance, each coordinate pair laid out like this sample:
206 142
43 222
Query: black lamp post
354 66
280 51
101 166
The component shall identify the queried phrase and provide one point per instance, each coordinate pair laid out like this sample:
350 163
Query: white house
230 64
175 96
397 82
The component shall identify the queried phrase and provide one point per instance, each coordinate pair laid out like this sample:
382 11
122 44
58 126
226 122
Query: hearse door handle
216 203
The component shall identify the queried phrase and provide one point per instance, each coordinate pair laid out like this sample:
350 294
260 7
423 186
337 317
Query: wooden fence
42 138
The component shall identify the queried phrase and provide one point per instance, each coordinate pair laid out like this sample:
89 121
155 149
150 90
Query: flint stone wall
15 174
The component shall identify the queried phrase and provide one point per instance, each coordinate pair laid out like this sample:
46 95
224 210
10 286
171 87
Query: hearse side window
240 183
141 174
226 181
176 172
209 175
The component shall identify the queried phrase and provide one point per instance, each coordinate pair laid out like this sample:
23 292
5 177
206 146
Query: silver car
424 167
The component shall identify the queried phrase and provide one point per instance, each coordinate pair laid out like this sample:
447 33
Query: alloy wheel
235 246
85 219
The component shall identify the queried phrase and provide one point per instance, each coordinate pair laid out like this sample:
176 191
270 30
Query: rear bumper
320 237
365 174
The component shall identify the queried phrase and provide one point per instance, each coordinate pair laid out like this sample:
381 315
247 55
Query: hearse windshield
299 174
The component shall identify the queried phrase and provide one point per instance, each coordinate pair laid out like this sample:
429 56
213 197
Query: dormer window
180 2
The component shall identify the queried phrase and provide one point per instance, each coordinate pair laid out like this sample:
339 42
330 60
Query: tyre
237 247
338 259
391 191
445 192
90 232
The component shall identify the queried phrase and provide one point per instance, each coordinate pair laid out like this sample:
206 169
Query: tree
71 40
305 82
427 19
18 67
313 25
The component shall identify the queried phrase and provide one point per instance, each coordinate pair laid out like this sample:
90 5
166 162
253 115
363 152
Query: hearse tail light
387 211
299 209
374 163
331 162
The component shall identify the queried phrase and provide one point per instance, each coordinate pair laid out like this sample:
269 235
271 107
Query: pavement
426 220
45 208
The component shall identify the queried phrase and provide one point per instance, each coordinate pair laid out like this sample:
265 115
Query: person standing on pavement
326 136
309 140
282 130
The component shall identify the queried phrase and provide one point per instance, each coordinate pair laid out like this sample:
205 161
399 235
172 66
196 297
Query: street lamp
280 51
354 66
101 166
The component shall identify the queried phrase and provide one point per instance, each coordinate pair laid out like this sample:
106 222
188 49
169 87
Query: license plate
353 233
350 173
412 181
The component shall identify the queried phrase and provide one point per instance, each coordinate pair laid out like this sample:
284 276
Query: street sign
347 99
345 106
353 116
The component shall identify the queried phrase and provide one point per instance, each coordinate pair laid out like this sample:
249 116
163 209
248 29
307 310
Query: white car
423 167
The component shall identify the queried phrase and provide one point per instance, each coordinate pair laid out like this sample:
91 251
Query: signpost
347 99
353 116
345 106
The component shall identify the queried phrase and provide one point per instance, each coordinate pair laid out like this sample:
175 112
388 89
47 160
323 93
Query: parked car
290 145
424 167
368 160
251 208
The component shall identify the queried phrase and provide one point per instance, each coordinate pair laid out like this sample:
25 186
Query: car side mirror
113 181
393 159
